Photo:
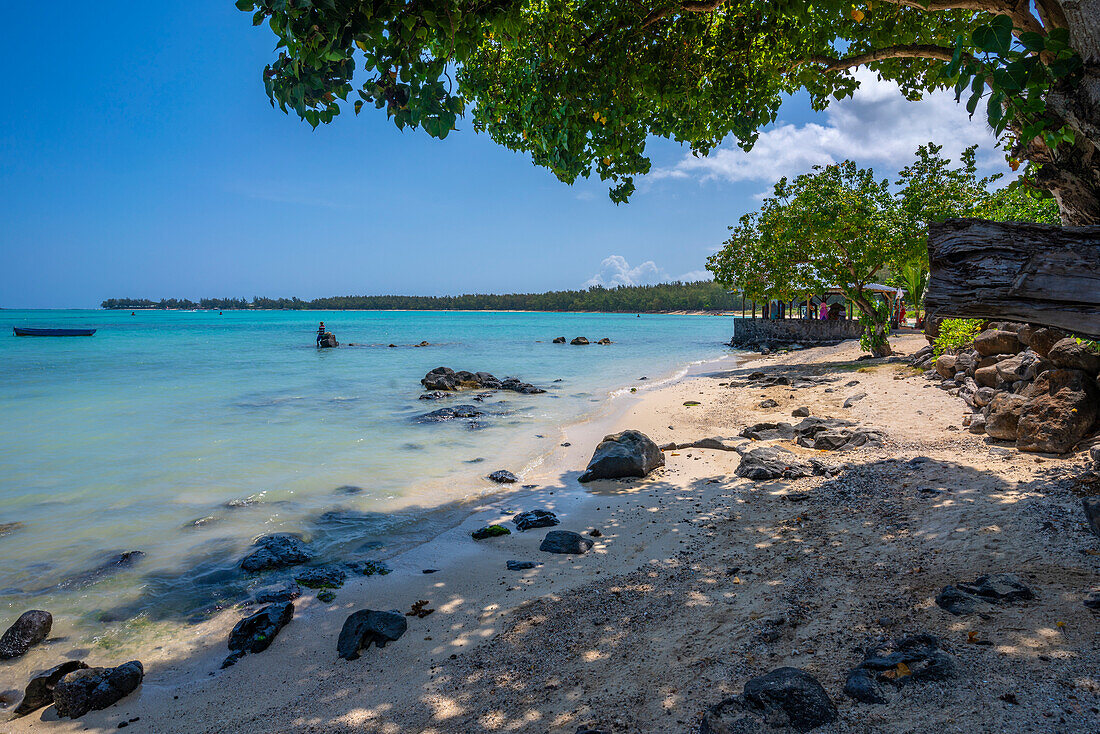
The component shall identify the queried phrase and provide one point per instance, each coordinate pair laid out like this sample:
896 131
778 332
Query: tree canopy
697 296
580 86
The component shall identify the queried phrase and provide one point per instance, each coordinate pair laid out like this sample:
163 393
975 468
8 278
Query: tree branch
687 6
910 51
1018 10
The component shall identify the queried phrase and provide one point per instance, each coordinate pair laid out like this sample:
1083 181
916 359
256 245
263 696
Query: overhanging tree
580 86
834 227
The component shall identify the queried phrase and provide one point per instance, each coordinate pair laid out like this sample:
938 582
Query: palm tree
913 277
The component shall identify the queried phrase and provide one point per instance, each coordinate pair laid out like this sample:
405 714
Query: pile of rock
829 434
447 380
1033 385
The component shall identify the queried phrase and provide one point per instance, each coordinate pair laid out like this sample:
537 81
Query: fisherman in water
320 333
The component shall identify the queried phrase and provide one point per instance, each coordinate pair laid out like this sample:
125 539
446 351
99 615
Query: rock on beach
93 689
626 454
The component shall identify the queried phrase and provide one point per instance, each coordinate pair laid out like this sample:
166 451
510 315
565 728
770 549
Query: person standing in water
320 332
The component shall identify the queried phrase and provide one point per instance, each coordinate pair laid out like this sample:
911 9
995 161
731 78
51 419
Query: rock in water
565 541
503 476
368 626
39 691
277 593
256 632
277 550
92 689
325 577
1061 406
772 462
449 414
535 519
626 454
969 598
326 341
784 698
559 340
922 658
579 341
31 628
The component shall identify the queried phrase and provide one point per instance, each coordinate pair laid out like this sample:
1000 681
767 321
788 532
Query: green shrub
955 334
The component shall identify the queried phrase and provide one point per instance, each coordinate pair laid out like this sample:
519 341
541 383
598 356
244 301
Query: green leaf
1032 41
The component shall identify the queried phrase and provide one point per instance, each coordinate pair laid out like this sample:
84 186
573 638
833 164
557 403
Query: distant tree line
702 295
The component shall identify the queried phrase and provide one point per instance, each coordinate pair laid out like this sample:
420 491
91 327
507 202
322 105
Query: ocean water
118 442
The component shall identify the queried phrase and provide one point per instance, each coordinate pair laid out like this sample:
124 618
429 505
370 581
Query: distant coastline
676 298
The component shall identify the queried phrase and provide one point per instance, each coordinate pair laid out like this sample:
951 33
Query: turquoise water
119 441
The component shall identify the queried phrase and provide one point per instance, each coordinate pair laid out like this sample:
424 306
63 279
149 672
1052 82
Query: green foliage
835 227
1017 203
702 295
955 334
581 86
1014 75
912 277
876 328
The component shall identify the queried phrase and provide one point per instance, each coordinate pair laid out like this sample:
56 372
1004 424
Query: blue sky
139 157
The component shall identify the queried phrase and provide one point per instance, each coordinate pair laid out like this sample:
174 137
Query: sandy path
699 581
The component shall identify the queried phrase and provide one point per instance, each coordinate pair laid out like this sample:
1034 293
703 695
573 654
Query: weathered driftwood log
1036 273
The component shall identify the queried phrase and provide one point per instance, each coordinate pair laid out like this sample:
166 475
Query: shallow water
119 441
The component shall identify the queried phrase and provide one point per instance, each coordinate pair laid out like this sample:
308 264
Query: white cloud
694 275
876 127
615 270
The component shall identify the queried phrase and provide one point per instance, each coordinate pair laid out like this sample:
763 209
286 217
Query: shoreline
675 606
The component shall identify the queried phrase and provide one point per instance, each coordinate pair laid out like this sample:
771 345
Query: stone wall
748 332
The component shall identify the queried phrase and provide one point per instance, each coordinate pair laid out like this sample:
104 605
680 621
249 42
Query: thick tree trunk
1072 172
1035 273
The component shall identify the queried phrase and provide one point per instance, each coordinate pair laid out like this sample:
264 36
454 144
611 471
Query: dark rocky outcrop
450 413
976 596
490 531
445 379
1061 407
802 412
627 454
768 431
93 689
31 628
559 340
521 565
435 395
327 341
772 462
604 341
909 660
566 542
769 403
39 691
322 577
503 476
579 341
278 550
535 519
367 627
368 568
256 632
785 699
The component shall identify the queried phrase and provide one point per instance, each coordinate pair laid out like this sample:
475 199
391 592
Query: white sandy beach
698 581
